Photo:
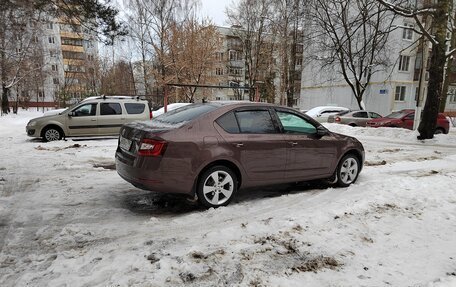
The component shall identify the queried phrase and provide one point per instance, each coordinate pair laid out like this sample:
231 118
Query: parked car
354 118
405 118
213 149
95 116
170 107
321 114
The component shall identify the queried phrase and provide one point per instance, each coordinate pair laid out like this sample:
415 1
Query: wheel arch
52 125
224 162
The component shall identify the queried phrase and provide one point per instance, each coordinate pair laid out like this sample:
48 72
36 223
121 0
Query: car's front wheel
52 134
348 170
216 186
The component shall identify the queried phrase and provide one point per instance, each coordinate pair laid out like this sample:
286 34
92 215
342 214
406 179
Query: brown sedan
211 150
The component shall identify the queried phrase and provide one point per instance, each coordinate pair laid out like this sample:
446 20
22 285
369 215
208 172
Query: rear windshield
396 115
185 114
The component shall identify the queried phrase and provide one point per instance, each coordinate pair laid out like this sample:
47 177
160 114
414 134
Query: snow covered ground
68 219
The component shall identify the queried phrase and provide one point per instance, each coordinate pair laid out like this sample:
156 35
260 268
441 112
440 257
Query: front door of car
111 118
82 120
308 155
259 145
407 121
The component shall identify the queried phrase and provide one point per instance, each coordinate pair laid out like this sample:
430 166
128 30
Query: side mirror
322 131
71 114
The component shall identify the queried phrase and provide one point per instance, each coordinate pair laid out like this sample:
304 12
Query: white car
322 113
170 107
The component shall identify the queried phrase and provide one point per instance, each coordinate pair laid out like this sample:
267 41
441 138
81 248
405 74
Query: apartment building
65 54
395 87
231 70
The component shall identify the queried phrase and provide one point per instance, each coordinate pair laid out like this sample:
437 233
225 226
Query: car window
85 110
255 122
396 115
360 115
185 114
374 115
410 117
110 109
293 124
134 108
228 123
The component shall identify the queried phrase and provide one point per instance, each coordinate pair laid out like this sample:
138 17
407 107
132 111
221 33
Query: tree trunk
5 106
436 69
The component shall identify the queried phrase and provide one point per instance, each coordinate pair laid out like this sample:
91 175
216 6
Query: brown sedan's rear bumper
153 180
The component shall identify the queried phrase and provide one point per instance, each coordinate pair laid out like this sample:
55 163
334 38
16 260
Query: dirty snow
68 219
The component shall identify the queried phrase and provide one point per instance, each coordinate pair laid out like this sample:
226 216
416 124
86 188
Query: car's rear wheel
216 186
348 170
52 134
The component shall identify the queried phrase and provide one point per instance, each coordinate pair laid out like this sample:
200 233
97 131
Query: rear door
359 118
83 121
258 143
308 155
111 118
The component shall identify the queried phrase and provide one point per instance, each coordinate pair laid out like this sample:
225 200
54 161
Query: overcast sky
215 9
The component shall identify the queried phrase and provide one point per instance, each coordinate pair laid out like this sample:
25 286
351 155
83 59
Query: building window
235 55
404 63
40 94
452 96
417 93
299 62
56 81
235 72
399 96
51 40
50 25
54 67
90 57
219 56
407 33
53 54
219 71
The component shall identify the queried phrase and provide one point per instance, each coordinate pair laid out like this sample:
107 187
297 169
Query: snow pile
67 219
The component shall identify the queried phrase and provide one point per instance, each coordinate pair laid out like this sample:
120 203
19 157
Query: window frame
116 114
402 93
302 116
404 63
253 109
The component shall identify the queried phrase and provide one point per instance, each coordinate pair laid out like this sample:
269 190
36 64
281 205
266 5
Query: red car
405 118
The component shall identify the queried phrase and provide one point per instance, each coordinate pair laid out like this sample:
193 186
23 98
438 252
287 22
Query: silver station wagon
95 116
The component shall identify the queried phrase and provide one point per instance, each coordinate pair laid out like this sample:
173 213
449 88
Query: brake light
337 119
150 147
150 114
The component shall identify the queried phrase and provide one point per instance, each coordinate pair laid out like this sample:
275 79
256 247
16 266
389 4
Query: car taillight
337 119
150 147
150 114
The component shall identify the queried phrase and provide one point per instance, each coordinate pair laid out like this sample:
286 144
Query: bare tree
439 13
250 17
192 55
19 46
285 26
351 35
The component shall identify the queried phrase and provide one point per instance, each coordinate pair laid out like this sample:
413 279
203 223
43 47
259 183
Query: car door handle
93 120
239 144
293 144
122 118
